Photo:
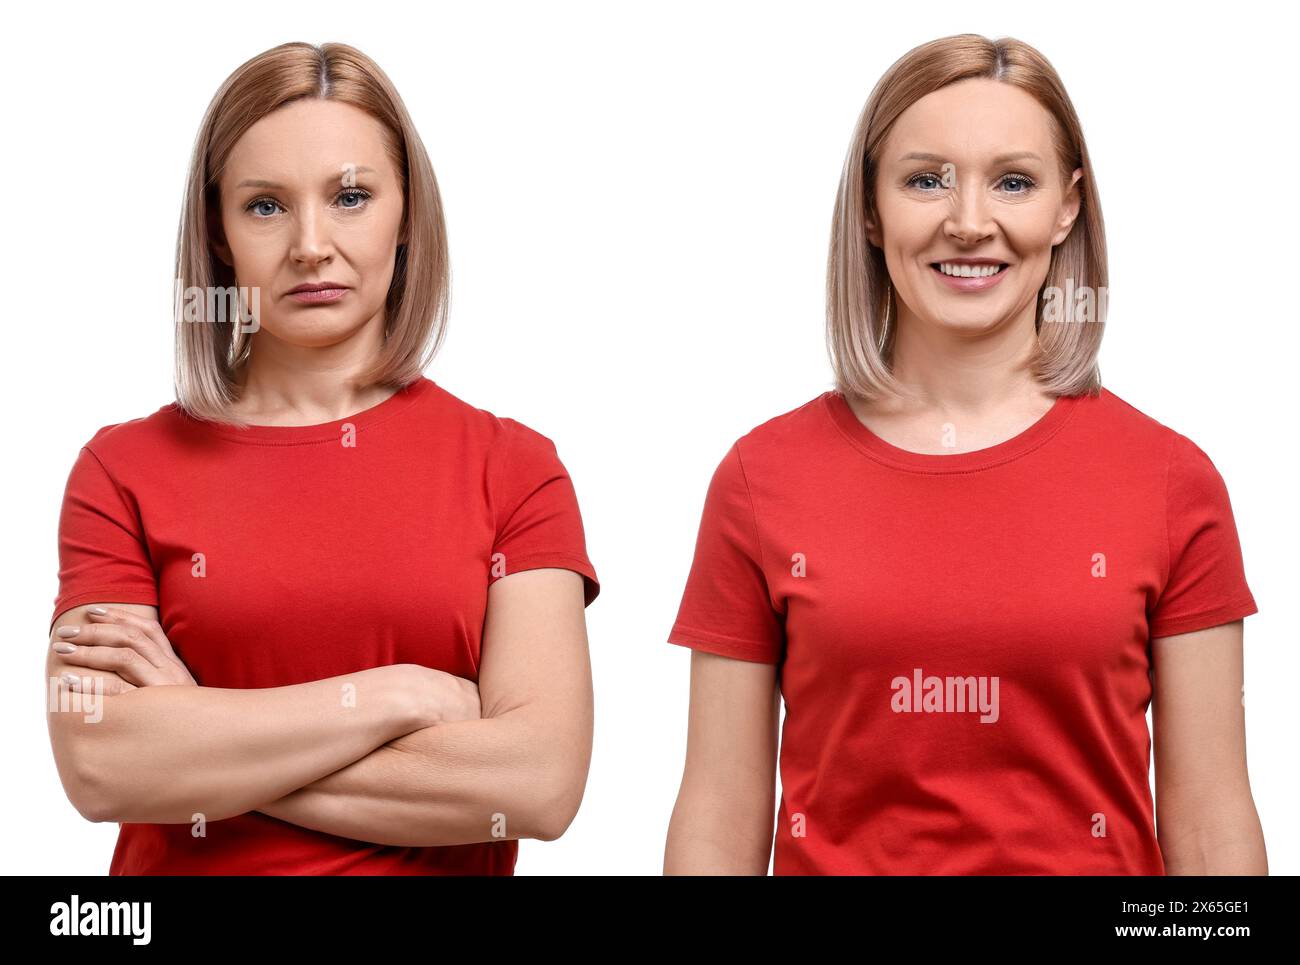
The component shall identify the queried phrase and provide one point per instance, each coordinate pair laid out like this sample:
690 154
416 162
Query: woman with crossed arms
336 613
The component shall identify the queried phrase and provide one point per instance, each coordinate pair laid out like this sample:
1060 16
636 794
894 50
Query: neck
954 371
295 385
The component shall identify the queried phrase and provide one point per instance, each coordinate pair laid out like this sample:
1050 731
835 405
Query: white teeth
968 271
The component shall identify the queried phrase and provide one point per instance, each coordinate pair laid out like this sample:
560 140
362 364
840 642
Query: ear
217 237
873 231
221 250
1069 208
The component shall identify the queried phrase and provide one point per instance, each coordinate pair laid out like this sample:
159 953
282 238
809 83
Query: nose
312 241
969 219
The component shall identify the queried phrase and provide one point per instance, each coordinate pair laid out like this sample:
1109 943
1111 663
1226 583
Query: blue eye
915 179
1019 179
1027 183
357 198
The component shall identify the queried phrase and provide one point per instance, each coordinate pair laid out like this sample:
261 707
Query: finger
158 649
132 636
150 628
111 635
123 661
100 682
83 677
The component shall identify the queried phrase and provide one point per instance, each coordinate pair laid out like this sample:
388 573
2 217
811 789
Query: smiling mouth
968 271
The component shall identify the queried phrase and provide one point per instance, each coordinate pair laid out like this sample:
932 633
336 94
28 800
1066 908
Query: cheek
374 244
375 253
373 265
1029 232
910 229
253 251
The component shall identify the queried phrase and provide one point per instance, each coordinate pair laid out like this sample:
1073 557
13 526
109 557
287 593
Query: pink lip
971 284
318 296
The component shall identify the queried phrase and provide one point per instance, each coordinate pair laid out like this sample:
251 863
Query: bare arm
1206 821
519 772
162 754
722 822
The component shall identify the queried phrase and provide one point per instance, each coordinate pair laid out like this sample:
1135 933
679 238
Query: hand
445 697
125 650
462 699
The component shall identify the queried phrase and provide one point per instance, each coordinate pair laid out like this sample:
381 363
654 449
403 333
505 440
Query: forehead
305 137
971 119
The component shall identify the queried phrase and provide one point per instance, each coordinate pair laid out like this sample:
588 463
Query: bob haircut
860 300
209 353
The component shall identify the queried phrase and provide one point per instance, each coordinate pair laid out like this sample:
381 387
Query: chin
313 336
968 326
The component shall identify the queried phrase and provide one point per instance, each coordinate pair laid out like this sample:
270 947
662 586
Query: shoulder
496 433
1132 438
515 457
786 433
1117 414
771 447
1124 423
123 441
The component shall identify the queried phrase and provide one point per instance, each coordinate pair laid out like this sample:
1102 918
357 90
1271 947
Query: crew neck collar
878 449
322 431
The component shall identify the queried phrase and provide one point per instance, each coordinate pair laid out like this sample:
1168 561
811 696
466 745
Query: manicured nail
99 611
69 631
64 648
71 681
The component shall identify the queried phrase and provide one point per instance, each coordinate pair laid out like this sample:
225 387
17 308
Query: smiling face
309 194
968 183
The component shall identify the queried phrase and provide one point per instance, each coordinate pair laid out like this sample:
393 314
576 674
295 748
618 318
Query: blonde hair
208 354
859 296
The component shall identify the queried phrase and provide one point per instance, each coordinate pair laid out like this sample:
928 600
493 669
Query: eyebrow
1000 159
259 183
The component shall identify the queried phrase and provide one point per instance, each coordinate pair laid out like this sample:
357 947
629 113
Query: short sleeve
538 521
103 556
726 607
1206 583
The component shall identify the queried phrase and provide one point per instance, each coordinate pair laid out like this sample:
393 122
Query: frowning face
311 208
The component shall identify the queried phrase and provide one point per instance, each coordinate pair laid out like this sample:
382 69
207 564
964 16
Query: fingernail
64 648
71 681
99 611
69 631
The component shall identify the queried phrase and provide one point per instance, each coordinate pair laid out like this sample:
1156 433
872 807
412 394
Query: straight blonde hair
860 300
209 353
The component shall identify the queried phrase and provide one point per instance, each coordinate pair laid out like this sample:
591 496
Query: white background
638 200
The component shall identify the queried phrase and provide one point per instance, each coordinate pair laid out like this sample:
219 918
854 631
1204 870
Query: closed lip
315 286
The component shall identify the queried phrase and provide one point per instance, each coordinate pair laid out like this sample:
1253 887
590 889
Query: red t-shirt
325 551
963 640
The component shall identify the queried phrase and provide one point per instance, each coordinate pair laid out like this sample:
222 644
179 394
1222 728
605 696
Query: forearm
1221 836
165 754
460 782
707 835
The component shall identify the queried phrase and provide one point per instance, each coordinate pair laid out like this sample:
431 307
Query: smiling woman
336 612
954 503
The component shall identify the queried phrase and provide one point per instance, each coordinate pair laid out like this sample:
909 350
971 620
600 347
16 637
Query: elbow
84 782
88 791
94 810
552 822
556 809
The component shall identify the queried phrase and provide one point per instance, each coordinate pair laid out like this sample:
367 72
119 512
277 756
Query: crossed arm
400 755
